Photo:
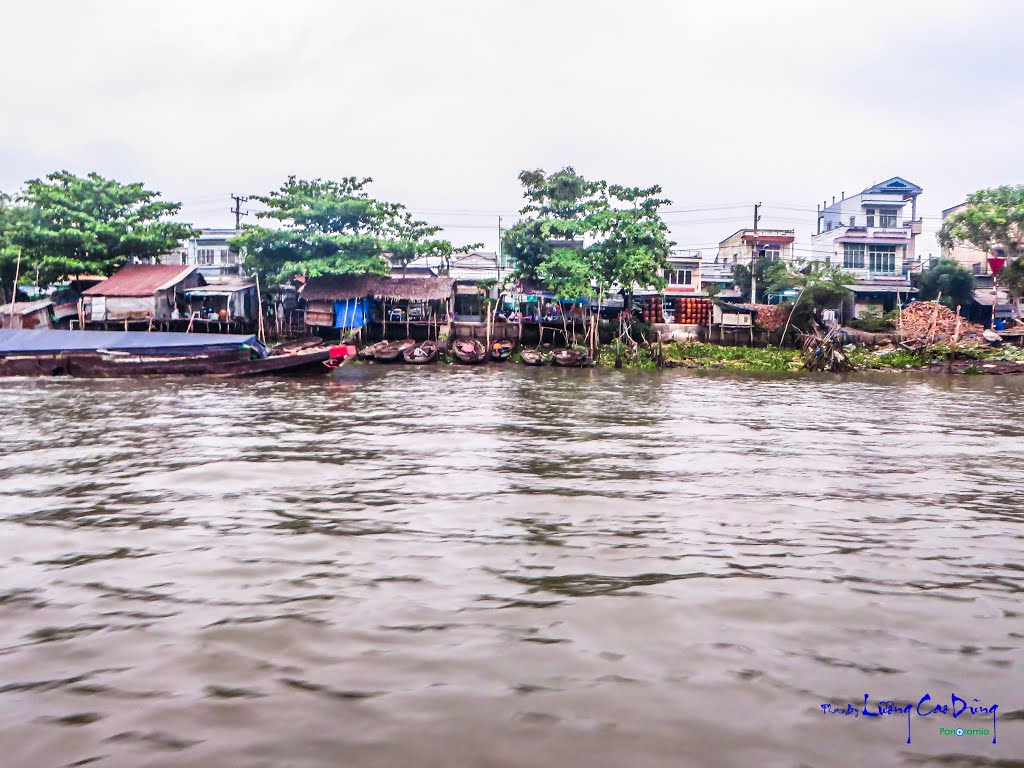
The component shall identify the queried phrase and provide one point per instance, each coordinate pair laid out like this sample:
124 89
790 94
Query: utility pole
753 257
237 210
499 249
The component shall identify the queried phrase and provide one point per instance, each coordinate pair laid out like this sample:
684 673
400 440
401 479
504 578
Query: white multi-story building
871 236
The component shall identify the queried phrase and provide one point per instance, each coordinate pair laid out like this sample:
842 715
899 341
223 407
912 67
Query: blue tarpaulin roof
351 313
19 341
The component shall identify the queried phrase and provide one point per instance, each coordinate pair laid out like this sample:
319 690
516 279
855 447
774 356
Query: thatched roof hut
390 288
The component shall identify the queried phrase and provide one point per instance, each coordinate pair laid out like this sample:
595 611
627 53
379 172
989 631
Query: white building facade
209 252
871 235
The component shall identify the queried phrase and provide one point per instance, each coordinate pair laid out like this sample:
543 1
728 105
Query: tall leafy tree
632 245
9 220
335 228
1012 279
950 278
557 217
993 217
582 237
71 225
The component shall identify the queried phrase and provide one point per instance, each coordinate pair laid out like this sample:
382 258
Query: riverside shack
140 292
26 314
378 305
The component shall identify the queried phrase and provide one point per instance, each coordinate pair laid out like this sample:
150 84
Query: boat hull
469 351
421 354
114 365
567 358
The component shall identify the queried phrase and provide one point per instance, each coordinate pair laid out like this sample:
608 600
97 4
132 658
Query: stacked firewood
770 317
926 322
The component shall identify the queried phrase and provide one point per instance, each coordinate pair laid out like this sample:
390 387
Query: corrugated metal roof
24 307
140 280
869 288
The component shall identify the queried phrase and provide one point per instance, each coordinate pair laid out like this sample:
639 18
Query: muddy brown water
509 567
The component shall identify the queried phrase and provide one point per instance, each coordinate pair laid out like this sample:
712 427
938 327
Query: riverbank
975 360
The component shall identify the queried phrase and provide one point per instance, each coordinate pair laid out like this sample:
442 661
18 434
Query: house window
223 255
184 258
468 304
887 217
853 256
882 258
772 251
232 257
679 276
853 221
871 217
204 256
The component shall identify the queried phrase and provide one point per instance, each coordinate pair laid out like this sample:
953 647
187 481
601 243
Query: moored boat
534 357
366 353
392 351
469 351
571 358
501 349
422 353
118 354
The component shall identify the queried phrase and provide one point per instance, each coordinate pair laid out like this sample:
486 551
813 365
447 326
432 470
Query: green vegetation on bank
703 356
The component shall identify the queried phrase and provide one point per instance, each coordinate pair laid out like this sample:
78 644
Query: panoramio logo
964 732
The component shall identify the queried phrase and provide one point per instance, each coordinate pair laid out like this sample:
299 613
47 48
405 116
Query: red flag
996 264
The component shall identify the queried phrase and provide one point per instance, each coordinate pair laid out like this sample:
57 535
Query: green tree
771 276
822 286
582 237
9 216
950 278
993 218
335 228
1012 279
556 216
632 246
71 225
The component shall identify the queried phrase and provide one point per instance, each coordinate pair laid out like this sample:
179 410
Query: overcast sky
723 103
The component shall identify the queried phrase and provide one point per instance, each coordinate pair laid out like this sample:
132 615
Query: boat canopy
30 341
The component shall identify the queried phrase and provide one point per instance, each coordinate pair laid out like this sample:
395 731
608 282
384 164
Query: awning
896 238
881 289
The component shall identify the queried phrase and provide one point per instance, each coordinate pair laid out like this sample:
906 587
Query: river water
509 567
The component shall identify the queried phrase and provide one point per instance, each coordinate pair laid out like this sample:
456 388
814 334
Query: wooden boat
366 353
534 357
501 349
392 351
992 337
127 354
425 352
571 358
469 351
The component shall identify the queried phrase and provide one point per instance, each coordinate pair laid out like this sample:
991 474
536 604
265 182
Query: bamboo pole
259 311
785 330
14 293
487 328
